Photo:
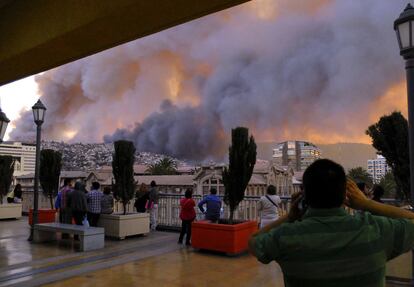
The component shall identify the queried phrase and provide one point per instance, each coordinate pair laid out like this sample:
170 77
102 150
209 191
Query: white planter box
120 226
10 210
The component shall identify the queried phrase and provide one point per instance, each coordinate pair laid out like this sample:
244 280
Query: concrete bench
91 238
12 210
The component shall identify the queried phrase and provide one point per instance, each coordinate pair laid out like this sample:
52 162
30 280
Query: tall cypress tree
242 158
49 173
6 175
123 171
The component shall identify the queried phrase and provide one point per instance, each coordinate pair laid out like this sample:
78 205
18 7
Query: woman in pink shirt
187 215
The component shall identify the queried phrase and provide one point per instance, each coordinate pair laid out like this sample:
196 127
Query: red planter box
231 239
44 216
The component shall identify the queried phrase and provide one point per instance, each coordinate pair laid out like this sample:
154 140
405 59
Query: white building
296 154
377 168
24 156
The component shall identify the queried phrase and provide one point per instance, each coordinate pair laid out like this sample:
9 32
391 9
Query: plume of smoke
304 71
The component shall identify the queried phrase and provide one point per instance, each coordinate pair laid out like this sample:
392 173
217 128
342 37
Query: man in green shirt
326 246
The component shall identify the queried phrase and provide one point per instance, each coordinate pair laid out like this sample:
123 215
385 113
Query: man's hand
355 198
295 213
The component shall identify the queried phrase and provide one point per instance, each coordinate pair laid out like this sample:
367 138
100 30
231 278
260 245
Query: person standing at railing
187 216
152 205
94 198
378 193
213 203
107 202
61 203
268 206
141 198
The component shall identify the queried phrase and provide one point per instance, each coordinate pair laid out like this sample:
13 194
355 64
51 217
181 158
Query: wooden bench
90 238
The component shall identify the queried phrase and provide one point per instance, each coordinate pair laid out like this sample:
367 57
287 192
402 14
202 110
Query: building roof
73 174
63 174
183 179
103 176
258 179
261 166
140 169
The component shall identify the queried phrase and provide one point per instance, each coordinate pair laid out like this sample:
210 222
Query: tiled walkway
183 267
153 260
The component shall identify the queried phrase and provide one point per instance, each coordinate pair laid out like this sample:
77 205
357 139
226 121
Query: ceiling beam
37 35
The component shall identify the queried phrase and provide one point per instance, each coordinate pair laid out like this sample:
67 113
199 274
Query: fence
169 207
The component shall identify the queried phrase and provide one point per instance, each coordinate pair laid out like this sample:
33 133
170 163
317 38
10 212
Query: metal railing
169 207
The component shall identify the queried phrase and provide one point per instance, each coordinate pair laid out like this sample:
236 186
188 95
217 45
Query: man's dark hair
67 181
188 193
378 191
96 185
271 190
18 191
153 184
361 185
324 183
107 190
213 190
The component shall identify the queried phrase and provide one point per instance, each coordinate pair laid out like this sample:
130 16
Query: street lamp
39 111
404 27
4 121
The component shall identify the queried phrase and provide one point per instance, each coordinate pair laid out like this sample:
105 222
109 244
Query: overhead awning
37 35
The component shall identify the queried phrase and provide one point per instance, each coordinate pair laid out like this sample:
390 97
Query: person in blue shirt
213 203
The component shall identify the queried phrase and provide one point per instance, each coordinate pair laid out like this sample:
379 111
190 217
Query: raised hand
355 198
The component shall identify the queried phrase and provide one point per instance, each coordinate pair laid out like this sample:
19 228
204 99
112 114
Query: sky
17 96
316 70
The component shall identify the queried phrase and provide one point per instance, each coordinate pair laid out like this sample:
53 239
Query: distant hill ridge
349 155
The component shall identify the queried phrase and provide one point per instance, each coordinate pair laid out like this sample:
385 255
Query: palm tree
165 166
360 174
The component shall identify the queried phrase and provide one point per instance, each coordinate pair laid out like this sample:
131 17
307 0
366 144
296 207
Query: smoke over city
312 70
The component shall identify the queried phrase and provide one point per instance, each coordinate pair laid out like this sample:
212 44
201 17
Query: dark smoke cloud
310 71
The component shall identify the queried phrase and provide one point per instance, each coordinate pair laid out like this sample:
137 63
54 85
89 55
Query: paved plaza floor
153 260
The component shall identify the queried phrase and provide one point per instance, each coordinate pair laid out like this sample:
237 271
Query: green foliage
6 175
389 185
360 174
123 170
390 137
242 158
166 166
49 173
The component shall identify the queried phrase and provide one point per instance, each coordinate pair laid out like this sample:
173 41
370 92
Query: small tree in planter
49 173
123 170
6 175
231 238
242 158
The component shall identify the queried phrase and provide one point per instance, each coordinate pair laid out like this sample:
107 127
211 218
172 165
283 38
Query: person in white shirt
268 206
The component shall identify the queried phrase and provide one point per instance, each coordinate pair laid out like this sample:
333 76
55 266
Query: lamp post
404 27
4 121
39 111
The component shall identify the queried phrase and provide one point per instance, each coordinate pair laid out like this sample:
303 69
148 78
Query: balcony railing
169 207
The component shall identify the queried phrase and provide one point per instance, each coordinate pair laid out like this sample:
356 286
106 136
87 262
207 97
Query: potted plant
231 236
123 187
6 178
49 173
